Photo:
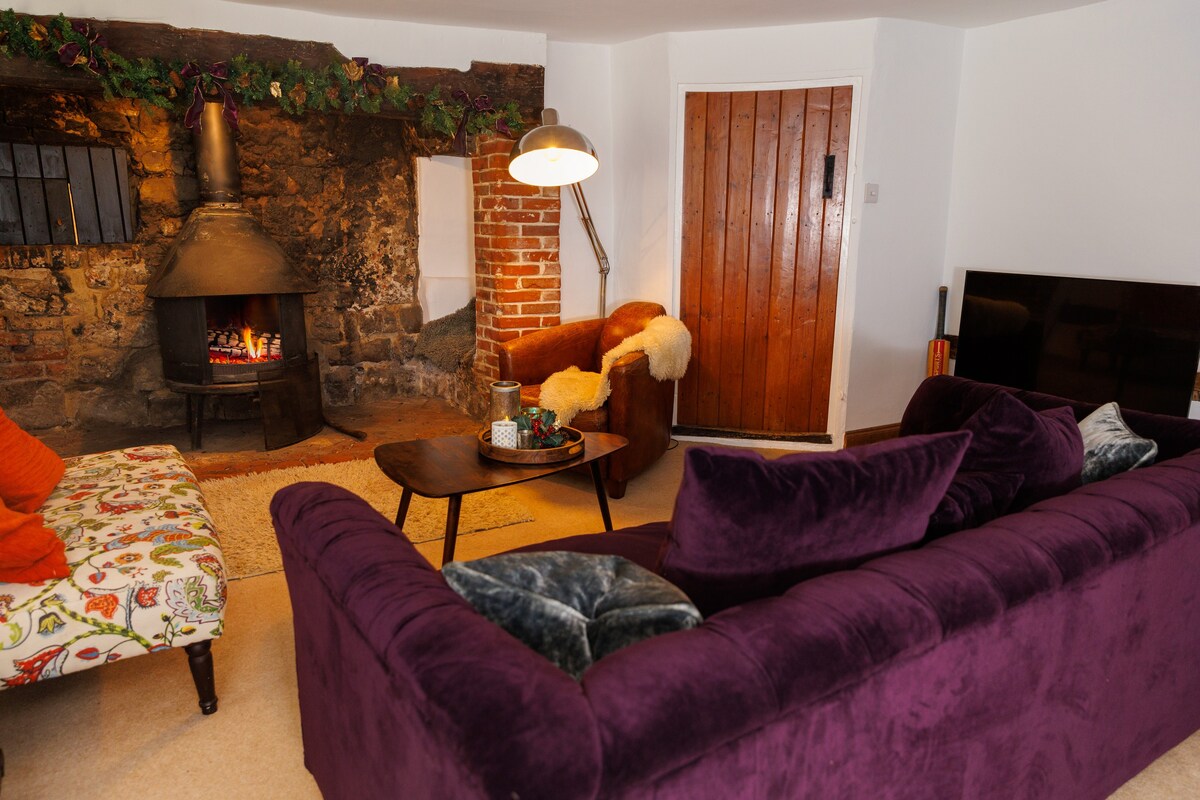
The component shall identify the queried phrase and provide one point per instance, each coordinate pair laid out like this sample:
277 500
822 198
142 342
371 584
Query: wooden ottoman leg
201 663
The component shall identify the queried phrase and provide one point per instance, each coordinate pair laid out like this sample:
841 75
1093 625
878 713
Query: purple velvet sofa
1050 653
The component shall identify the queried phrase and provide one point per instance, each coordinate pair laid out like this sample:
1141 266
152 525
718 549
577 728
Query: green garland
355 85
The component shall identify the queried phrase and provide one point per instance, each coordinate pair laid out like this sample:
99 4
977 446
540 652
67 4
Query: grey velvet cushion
573 608
1109 446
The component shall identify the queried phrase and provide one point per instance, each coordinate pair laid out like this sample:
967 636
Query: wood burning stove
229 304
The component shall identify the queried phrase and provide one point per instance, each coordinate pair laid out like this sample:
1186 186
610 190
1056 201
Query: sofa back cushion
972 499
1045 448
745 527
944 402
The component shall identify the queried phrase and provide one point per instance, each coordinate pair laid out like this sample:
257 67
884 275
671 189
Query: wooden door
764 185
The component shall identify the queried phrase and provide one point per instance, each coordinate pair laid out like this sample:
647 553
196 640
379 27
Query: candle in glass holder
525 440
505 400
504 433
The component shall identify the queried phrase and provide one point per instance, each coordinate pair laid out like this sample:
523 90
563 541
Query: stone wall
77 337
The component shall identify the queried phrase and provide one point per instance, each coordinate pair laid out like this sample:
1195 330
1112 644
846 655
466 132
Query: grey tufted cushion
573 608
1109 446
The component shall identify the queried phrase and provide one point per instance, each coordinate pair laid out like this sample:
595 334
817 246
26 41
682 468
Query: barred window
55 194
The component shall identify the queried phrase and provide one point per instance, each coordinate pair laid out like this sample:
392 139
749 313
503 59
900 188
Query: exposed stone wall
78 343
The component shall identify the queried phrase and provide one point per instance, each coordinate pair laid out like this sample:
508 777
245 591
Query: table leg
451 528
402 512
601 495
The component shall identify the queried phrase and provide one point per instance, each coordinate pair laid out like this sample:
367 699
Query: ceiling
608 21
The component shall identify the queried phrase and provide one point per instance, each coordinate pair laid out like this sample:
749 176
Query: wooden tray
550 455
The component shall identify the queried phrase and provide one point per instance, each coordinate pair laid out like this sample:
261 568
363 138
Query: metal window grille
55 194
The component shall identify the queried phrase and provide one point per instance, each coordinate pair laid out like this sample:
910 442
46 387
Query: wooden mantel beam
523 83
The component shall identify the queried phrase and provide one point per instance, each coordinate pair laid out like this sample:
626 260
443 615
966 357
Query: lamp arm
585 216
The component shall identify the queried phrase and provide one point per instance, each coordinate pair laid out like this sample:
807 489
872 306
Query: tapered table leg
451 527
601 495
402 512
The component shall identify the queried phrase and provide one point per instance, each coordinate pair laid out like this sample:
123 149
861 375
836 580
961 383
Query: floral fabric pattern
146 569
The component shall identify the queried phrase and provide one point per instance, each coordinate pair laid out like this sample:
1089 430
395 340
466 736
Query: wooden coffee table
451 466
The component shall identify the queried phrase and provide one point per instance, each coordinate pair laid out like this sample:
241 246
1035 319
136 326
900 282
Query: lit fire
254 347
242 346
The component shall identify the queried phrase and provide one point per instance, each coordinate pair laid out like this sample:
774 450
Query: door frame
847 268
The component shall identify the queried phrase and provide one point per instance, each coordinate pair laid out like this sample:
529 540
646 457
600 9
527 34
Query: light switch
872 195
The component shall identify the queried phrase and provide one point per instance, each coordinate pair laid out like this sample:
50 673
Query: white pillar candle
504 433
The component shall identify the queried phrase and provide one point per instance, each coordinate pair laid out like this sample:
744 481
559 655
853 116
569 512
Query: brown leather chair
640 408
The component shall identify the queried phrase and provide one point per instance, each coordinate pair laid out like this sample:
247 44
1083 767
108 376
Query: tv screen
1091 340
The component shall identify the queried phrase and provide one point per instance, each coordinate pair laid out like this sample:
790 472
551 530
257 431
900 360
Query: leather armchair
640 407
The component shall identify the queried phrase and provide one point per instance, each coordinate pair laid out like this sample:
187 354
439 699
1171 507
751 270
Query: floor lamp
558 155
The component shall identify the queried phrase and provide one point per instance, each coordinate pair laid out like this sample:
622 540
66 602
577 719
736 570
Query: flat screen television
1090 340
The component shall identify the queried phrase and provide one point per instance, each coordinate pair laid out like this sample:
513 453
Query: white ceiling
608 21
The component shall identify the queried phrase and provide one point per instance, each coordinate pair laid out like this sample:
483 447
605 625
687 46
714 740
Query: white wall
642 130
446 235
907 90
391 43
1076 149
909 141
579 86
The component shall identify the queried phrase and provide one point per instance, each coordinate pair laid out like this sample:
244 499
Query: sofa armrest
532 358
640 409
402 682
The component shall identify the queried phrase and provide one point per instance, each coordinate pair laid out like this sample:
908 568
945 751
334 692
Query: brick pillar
518 279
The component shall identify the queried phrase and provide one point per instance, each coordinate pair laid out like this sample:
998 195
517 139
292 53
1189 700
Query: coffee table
451 466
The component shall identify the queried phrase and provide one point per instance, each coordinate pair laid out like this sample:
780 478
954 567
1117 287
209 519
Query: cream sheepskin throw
666 342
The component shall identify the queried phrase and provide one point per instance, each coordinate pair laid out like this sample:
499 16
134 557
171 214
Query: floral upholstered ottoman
146 573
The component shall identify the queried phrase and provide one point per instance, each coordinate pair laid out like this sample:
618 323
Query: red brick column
518 279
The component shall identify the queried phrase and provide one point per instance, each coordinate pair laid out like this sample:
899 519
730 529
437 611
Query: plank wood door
764 184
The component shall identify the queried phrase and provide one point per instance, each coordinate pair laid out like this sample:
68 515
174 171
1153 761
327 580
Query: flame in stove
254 347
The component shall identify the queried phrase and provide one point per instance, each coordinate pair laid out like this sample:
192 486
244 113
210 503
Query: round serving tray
549 455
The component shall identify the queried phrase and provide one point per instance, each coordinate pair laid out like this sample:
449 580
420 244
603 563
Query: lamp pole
585 216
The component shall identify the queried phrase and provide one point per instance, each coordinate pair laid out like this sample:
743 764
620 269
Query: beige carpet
241 511
131 728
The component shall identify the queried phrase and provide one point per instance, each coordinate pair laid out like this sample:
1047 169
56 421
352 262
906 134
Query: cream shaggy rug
241 510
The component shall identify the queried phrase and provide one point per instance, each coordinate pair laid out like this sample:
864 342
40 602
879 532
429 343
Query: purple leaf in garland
70 54
195 111
459 146
219 70
376 75
81 27
502 127
99 41
483 103
229 109
461 96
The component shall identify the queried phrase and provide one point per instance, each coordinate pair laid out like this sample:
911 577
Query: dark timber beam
523 83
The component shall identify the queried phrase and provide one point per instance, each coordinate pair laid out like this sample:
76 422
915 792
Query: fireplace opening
242 330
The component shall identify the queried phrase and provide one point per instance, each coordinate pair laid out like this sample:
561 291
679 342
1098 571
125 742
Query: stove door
290 399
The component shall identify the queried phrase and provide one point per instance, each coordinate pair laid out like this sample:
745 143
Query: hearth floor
235 447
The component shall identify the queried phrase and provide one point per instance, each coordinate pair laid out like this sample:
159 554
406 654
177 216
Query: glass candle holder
505 400
504 433
524 440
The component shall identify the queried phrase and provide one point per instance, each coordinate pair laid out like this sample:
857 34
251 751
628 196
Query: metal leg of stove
196 418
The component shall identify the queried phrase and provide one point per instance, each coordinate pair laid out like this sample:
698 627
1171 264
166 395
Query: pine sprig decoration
354 85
